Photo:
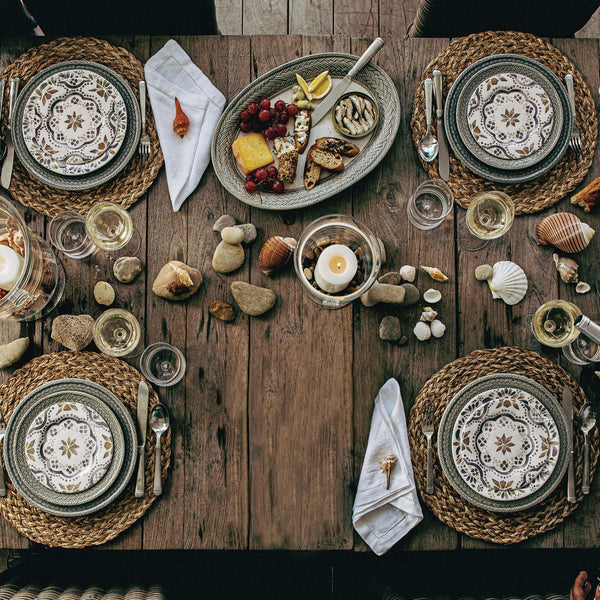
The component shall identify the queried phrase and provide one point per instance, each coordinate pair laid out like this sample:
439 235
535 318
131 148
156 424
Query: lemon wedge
304 86
317 81
323 88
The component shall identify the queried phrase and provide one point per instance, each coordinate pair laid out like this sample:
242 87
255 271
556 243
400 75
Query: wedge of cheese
251 152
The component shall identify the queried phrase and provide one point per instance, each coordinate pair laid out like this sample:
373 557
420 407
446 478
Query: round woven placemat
98 528
567 174
446 504
137 176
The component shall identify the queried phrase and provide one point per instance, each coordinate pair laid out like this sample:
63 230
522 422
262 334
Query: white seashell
437 328
428 314
432 296
582 287
422 331
508 282
408 273
484 272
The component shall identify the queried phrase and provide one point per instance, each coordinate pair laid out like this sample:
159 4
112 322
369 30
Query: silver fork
427 427
575 140
2 434
144 148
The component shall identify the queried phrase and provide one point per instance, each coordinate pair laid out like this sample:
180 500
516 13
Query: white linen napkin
382 516
170 73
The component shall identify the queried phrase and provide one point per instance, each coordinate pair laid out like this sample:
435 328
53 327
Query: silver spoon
159 423
2 140
586 420
428 144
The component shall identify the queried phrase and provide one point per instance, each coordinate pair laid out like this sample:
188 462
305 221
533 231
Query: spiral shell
567 268
435 273
275 254
565 231
508 282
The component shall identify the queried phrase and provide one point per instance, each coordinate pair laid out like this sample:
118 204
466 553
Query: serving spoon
2 140
428 144
159 423
586 420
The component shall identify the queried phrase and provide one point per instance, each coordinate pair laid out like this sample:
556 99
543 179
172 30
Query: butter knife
443 157
7 165
340 87
142 419
567 405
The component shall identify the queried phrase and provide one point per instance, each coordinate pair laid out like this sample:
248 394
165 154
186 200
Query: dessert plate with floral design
502 442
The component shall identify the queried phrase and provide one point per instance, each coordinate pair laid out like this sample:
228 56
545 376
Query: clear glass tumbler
163 364
430 204
67 233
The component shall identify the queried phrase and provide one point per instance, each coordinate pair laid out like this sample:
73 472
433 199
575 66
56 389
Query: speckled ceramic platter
277 83
474 157
503 443
110 485
109 164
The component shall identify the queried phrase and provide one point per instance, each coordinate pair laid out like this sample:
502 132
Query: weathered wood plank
356 18
265 16
395 17
229 15
311 17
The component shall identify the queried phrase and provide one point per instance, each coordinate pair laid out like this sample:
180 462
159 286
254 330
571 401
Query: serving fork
144 147
2 435
427 427
575 139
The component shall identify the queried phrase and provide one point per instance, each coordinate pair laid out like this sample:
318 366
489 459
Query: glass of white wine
110 227
117 333
488 217
553 323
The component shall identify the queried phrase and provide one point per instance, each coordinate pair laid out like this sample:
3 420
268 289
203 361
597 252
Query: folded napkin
170 73
382 516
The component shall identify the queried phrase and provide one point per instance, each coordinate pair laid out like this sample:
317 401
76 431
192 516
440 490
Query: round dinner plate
502 63
503 443
112 162
125 448
74 121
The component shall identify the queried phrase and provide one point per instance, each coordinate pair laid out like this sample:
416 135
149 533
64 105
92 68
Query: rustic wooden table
271 420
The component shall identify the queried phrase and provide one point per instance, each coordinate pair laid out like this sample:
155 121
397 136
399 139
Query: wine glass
163 364
110 228
553 323
117 333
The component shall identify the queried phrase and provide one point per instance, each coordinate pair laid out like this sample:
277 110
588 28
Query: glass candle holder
346 231
39 282
430 204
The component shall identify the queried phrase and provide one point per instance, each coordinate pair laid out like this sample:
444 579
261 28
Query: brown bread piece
332 144
588 196
312 171
301 135
332 161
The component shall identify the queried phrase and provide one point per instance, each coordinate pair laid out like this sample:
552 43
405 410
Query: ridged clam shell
275 254
508 282
565 231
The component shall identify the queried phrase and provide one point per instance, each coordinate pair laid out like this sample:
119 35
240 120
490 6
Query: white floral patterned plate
503 443
69 447
74 121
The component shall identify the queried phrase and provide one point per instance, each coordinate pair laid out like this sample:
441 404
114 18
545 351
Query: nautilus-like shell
508 282
275 254
565 231
567 268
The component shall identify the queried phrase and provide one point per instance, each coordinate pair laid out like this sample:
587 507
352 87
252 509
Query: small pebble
412 294
249 232
389 329
483 272
232 235
228 257
73 331
222 310
308 274
393 278
402 340
104 293
366 301
222 222
386 293
251 299
126 268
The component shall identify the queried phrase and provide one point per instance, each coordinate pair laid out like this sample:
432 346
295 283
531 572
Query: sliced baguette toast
312 171
332 161
332 144
302 123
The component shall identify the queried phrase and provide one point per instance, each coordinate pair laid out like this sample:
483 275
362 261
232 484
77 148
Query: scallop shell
565 231
275 254
432 296
582 287
437 328
508 282
567 268
422 331
435 273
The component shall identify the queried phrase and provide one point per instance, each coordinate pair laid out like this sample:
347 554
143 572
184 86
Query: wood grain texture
265 17
395 17
229 15
311 17
356 18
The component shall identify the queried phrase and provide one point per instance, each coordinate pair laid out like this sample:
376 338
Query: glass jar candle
39 279
344 231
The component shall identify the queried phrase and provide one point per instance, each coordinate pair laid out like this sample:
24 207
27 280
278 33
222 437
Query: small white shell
428 314
437 328
582 287
422 331
408 273
432 296
508 282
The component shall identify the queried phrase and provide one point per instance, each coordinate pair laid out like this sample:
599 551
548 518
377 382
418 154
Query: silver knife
7 165
142 419
343 85
443 157
567 405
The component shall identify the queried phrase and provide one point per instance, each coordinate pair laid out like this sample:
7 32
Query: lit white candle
335 268
11 265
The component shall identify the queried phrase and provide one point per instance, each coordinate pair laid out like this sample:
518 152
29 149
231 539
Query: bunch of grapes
264 178
270 120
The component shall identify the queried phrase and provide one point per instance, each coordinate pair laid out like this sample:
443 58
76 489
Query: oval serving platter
277 82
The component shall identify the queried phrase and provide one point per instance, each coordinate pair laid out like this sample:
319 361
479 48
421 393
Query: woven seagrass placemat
547 190
98 528
446 504
137 176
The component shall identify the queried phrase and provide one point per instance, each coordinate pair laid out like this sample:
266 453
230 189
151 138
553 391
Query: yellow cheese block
251 152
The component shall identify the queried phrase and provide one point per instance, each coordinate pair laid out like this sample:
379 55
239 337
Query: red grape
266 184
273 113
265 103
280 106
283 117
252 108
255 125
281 129
270 133
250 177
244 116
250 187
264 115
260 174
292 109
245 126
278 186
272 171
